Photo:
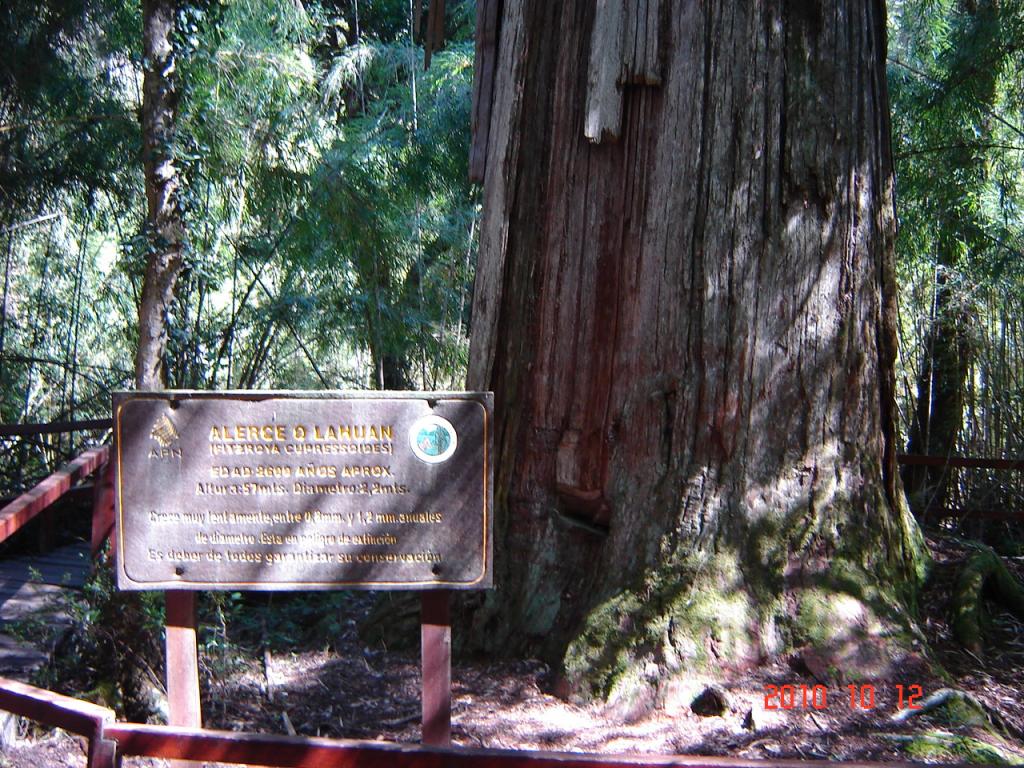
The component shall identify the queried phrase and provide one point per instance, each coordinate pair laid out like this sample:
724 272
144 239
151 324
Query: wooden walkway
30 588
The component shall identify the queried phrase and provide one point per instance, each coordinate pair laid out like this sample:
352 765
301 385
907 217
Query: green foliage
955 78
234 622
109 632
68 140
330 224
64 121
342 234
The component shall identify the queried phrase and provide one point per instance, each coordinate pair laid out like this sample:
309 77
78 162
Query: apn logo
165 435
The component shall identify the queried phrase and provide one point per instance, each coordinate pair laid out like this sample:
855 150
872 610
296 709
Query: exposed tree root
961 708
942 698
984 575
969 718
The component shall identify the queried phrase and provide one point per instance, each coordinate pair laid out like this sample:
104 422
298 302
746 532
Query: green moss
844 604
983 575
724 619
701 612
915 549
696 611
602 653
957 708
987 743
963 711
813 625
939 745
680 612
632 696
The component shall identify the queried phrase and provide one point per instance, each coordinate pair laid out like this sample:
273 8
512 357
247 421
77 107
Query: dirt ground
362 693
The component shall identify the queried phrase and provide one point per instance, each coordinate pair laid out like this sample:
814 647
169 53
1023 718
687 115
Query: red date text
816 696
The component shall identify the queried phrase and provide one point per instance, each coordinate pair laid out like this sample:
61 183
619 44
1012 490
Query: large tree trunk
688 321
163 229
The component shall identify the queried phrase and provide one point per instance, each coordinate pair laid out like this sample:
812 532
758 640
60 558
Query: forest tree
685 306
164 229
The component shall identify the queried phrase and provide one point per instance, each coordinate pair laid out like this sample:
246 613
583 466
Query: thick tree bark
164 228
690 332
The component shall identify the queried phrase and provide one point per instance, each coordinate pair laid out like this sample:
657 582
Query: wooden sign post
436 662
304 491
183 703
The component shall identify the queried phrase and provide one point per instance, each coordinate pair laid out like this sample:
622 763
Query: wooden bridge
30 591
31 585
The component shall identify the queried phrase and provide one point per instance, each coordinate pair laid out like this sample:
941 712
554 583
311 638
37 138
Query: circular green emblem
433 439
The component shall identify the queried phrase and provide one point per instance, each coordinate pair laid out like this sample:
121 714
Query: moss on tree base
947 747
709 612
983 574
978 735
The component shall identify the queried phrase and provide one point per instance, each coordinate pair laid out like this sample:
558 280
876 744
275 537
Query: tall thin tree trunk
165 233
940 400
76 314
3 300
164 228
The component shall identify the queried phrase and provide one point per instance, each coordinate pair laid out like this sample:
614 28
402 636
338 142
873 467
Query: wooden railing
74 716
968 462
109 741
53 427
30 504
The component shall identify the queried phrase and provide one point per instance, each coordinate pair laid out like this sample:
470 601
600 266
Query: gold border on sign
217 585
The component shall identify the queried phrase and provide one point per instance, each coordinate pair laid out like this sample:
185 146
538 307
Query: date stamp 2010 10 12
816 696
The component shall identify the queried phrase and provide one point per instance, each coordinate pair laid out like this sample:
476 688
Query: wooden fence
53 427
109 741
29 505
968 462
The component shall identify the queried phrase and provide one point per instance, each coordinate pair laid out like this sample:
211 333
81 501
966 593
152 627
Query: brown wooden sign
295 490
